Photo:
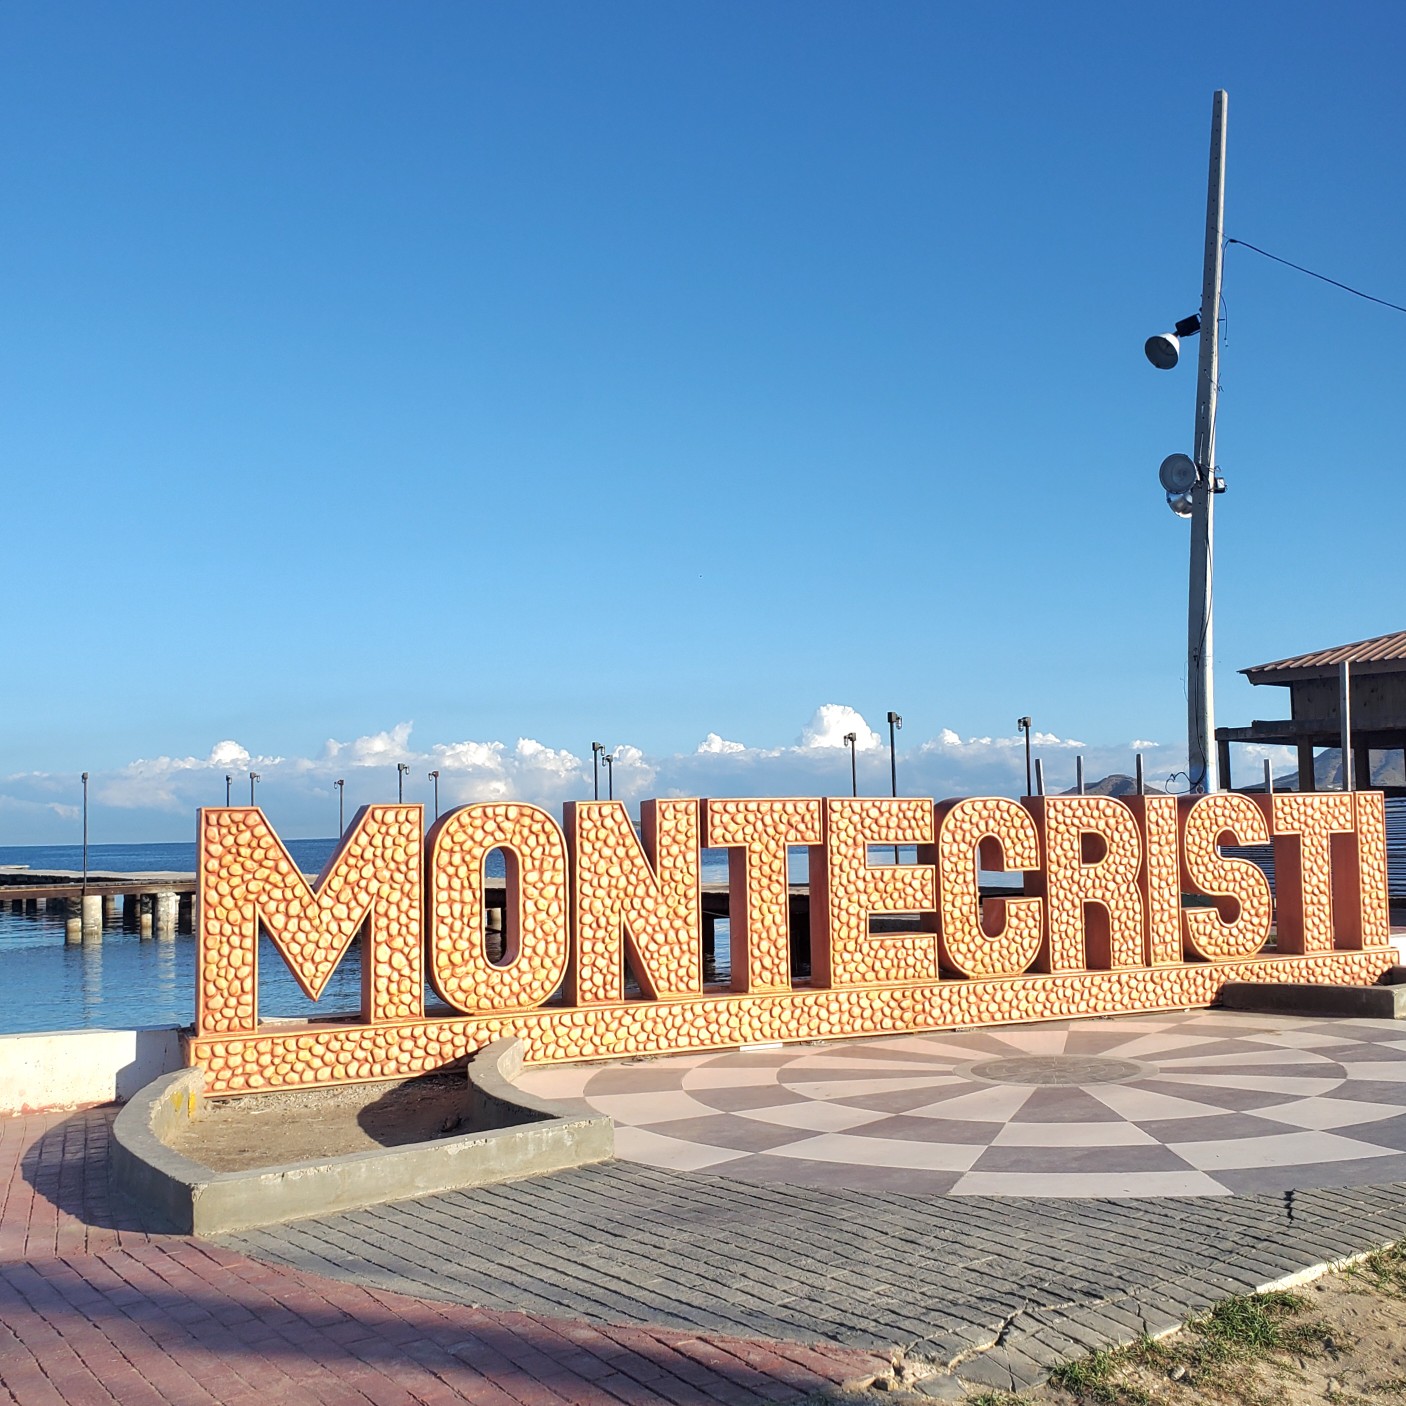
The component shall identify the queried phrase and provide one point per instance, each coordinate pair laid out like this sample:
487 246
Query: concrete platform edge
533 1136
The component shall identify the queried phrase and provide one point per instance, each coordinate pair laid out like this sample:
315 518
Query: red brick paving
93 1313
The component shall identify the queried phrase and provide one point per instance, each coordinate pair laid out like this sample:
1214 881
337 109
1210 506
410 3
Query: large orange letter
1238 925
990 833
247 876
845 891
756 834
624 899
1093 910
1303 826
536 940
1159 877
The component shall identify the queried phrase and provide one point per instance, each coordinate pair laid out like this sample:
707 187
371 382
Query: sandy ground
1348 1348
267 1130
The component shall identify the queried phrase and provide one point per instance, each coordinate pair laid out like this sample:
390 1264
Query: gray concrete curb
1383 1002
528 1136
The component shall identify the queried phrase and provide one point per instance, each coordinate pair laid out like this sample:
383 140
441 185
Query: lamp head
1178 473
851 737
1164 350
1180 503
895 719
1023 724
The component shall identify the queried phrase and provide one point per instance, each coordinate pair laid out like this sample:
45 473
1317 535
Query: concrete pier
167 906
109 908
144 914
92 910
73 924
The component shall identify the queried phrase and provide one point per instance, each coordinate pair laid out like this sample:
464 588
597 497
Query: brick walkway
95 1310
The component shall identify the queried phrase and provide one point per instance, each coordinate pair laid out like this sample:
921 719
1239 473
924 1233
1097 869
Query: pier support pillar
131 907
92 917
144 914
17 905
73 924
167 907
109 908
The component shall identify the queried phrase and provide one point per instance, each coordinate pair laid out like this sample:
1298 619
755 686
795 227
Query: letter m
247 881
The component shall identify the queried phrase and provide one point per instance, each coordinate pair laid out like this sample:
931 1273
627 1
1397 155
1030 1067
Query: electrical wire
1347 288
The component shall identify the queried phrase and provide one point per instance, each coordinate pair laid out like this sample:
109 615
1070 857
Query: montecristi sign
1100 928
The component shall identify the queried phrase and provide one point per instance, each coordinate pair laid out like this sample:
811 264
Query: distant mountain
1387 770
1115 785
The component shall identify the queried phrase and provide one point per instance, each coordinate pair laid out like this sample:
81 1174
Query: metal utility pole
341 807
852 741
85 834
1023 725
596 749
1200 686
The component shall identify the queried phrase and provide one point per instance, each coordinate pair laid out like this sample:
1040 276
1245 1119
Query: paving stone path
633 1283
1004 1287
94 1310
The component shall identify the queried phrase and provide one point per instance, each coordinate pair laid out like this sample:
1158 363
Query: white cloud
830 724
714 744
158 795
1141 744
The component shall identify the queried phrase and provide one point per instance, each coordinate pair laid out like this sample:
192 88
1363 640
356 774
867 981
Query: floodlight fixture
1164 350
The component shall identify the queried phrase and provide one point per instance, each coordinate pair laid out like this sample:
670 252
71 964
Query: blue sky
463 383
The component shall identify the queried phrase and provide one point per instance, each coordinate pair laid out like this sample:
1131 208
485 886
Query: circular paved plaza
1202 1103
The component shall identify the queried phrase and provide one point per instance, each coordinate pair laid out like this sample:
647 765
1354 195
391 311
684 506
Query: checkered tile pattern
1203 1103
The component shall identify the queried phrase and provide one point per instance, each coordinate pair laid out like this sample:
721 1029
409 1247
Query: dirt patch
269 1130
1340 1339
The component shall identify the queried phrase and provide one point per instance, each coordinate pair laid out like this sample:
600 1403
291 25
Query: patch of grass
1236 1331
1386 1269
996 1398
1097 1378
1255 1324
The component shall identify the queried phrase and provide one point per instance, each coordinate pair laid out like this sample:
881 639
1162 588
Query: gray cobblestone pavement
1001 1289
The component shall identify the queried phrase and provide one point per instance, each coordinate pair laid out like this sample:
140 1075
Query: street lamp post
895 721
85 834
254 778
434 776
1023 725
400 769
609 760
341 786
1192 485
229 781
596 749
851 740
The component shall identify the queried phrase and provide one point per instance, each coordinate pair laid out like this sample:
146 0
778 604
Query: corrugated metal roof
1380 655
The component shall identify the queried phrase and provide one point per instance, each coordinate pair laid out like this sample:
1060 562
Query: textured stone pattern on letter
1159 878
1303 826
756 834
1093 909
306 1056
246 875
1370 814
536 938
644 901
843 950
1239 924
1013 941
